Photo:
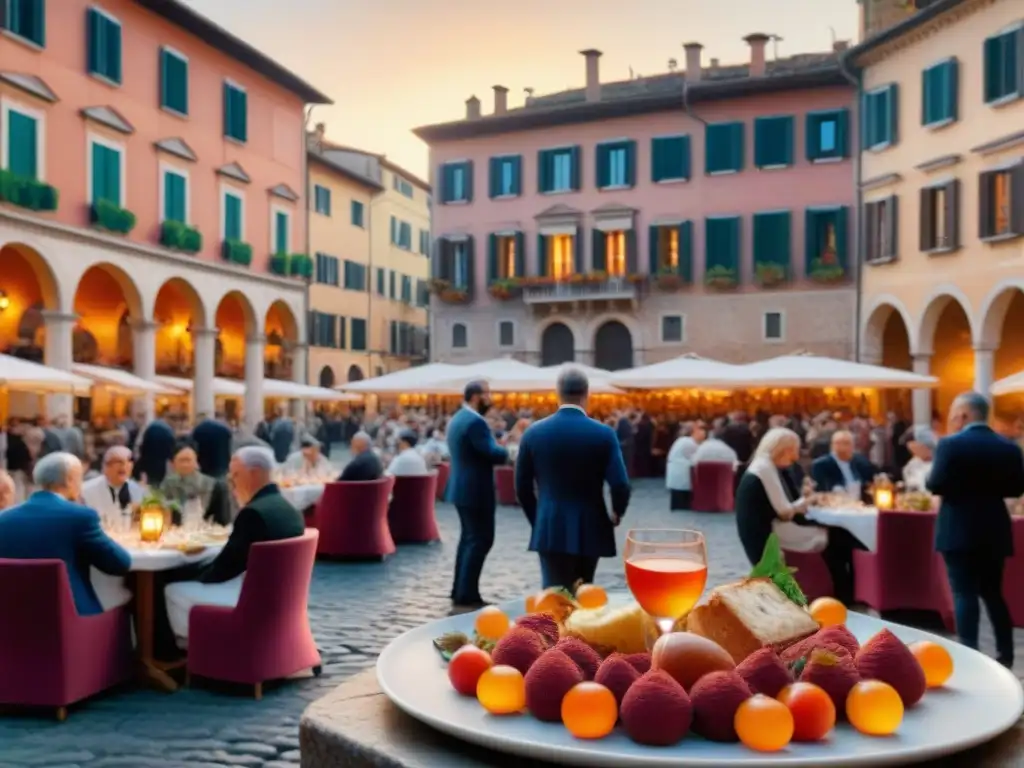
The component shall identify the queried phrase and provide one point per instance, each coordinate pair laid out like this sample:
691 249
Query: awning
811 371
294 391
19 375
122 381
221 387
685 372
406 381
1010 385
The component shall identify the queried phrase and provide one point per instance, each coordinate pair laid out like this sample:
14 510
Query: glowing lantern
151 523
884 493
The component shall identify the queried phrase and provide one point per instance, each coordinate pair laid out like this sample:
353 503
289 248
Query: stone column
922 398
252 412
984 371
204 358
59 354
144 350
300 375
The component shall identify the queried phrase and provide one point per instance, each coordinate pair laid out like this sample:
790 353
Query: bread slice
748 615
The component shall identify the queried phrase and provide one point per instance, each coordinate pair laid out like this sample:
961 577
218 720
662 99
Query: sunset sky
391 65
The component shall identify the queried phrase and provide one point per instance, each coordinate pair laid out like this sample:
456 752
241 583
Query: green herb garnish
773 566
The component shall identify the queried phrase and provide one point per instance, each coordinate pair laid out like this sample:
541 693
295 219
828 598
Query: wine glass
666 570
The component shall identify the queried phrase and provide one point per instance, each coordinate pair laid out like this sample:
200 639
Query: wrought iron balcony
578 290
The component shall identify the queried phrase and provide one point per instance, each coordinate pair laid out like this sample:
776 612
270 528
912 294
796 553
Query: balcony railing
609 289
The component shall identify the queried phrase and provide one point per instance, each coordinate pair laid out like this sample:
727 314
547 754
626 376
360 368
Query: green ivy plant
112 217
720 277
181 237
236 252
27 193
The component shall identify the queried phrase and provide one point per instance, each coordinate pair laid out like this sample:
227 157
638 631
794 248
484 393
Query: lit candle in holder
884 493
151 523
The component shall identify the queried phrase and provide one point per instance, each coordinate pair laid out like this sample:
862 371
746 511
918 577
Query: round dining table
862 522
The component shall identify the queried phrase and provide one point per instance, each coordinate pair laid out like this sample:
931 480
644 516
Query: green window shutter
773 141
280 232
993 74
631 255
772 238
173 82
812 136
494 177
542 255
232 218
736 149
723 150
445 175
241 115
174 197
939 85
517 175
843 132
842 215
520 265
577 252
94 41
602 171
106 174
26 18
574 177
810 238
22 145
685 265
598 256
492 258
544 171
892 110
468 173
228 110
722 242
653 248
952 92
631 163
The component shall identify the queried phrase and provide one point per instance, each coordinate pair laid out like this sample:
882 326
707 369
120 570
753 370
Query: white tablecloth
112 591
862 522
303 496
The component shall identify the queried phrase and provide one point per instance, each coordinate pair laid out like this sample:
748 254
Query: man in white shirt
113 493
843 469
714 449
408 462
308 460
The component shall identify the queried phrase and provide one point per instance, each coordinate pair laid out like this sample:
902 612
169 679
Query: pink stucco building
628 222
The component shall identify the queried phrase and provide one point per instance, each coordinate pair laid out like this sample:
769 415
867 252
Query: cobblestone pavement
355 610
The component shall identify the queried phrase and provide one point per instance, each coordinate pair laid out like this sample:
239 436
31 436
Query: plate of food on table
750 676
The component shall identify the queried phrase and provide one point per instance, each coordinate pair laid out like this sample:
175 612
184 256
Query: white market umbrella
502 374
688 371
407 381
546 379
121 381
221 387
811 371
17 375
1010 385
291 390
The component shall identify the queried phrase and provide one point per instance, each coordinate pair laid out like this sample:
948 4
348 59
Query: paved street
355 609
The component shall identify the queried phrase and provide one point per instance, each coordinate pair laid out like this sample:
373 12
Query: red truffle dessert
656 710
520 648
586 658
828 638
551 677
834 672
715 698
764 672
641 661
617 675
542 624
885 657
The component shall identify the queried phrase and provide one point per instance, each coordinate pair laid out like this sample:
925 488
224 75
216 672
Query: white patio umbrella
806 370
17 375
221 387
296 391
546 379
406 381
503 374
1010 385
122 382
688 371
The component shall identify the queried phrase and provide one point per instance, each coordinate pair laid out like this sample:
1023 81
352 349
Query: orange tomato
874 708
531 603
591 596
589 711
501 690
492 623
814 714
934 660
828 612
465 668
553 602
764 724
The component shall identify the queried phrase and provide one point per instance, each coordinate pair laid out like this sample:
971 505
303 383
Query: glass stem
665 625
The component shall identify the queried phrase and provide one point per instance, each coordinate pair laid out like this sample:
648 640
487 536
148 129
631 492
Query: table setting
302 489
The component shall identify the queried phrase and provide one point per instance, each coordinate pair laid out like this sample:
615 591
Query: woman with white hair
922 446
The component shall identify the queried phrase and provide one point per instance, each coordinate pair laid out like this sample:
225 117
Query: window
1004 66
559 253
459 340
406 289
392 284
774 326
281 234
401 186
722 243
103 45
505 257
825 242
323 329
614 253
401 234
26 19
773 142
723 148
342 327
356 213
670 249
881 226
174 195
558 170
358 341
322 200
460 265
506 333
880 113
672 329
326 272
772 251
457 182
1001 203
21 131
106 171
236 116
424 242
940 217
233 221
616 164
422 294
826 135
506 176
381 290
355 276
939 87
670 158
173 81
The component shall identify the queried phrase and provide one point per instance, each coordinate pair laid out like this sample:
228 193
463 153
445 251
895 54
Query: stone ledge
356 726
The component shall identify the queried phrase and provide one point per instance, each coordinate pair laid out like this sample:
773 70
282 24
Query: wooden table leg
151 670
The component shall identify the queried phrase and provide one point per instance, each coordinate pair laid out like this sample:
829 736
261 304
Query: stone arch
177 309
934 306
999 321
48 286
281 321
28 288
613 346
992 313
107 301
355 373
235 321
460 336
326 377
557 344
878 316
947 335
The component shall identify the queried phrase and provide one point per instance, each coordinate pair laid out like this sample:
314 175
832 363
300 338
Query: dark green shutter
242 115
736 149
232 218
842 238
520 264
811 238
843 132
598 255
26 18
602 169
544 171
577 252
993 76
712 149
492 258
722 242
892 100
630 237
173 82
952 89
772 238
94 43
228 109
542 255
685 264
684 150
446 183
631 163
280 232
517 175
574 170
22 145
653 249
494 177
812 135
468 172
470 264
773 141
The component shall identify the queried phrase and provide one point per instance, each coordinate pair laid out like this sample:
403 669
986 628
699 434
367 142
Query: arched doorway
235 321
947 329
176 311
27 287
1001 330
327 377
106 302
282 334
613 347
557 345
355 373
887 343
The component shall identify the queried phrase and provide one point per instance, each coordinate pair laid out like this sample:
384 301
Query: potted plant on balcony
668 280
180 237
504 289
27 193
279 264
112 217
721 278
236 252
300 265
454 295
769 274
597 276
827 272
636 278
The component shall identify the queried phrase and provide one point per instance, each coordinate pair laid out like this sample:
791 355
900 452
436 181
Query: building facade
943 196
370 237
626 223
151 196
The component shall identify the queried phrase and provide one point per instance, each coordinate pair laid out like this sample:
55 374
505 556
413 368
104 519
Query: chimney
757 42
593 74
500 99
693 65
318 134
472 108
840 45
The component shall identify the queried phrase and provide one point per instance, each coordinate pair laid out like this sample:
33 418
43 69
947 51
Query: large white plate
981 701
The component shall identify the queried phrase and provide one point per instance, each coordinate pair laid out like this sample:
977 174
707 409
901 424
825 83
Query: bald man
844 469
113 493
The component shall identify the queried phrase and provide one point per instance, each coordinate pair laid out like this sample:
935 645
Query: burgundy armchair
352 517
411 512
505 486
444 469
49 655
266 636
811 574
713 489
1013 576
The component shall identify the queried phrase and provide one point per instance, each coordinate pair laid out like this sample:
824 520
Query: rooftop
927 11
322 149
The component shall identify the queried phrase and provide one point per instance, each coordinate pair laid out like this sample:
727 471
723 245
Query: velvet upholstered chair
352 517
444 469
505 486
411 518
713 489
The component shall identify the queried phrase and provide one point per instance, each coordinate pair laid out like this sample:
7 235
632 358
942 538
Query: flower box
300 265
769 274
236 252
454 296
112 217
636 278
668 282
181 237
27 193
721 278
503 290
826 272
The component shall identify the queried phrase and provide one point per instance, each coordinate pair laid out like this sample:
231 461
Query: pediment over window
178 148
30 84
613 217
109 117
560 211
455 237
234 171
284 192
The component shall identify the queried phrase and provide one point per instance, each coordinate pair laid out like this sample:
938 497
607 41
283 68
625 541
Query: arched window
459 335
327 377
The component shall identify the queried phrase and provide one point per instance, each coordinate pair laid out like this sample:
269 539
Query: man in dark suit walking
156 449
975 471
843 468
212 438
474 454
570 457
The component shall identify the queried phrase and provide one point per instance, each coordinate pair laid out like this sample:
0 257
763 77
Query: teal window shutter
93 41
103 46
174 197
173 82
520 265
446 183
232 218
892 101
653 249
773 141
722 242
1003 66
577 252
723 148
280 232
544 171
631 163
22 145
574 156
602 171
106 174
670 158
492 258
772 238
494 177
517 175
598 256
468 176
842 132
842 237
542 255
939 85
236 118
685 264
26 19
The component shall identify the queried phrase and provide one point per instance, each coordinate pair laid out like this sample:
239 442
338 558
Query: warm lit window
560 256
668 249
1001 203
506 257
1002 206
615 253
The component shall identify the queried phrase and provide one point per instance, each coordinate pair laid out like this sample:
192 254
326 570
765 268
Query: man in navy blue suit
975 471
843 468
570 457
50 525
156 449
474 454
212 438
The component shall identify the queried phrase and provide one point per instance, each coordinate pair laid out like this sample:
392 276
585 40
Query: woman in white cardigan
679 463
